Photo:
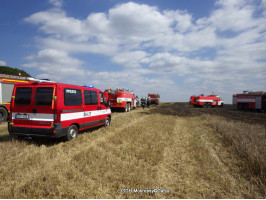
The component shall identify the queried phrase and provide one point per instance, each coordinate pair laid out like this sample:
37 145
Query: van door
21 109
102 108
91 117
43 107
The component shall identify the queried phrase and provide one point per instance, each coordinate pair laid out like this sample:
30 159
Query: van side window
44 96
23 96
91 97
72 97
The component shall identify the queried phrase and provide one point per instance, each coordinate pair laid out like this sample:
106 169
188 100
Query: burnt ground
228 112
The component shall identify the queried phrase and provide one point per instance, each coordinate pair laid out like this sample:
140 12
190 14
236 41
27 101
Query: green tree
13 71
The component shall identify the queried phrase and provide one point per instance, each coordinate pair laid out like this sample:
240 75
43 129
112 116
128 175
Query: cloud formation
2 63
157 50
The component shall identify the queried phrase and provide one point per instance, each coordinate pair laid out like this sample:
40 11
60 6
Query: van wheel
107 121
3 114
72 133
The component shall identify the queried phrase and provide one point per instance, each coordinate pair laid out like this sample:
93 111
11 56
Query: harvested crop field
168 151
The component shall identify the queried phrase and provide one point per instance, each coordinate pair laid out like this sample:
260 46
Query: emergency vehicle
206 101
121 99
7 83
46 109
155 98
249 100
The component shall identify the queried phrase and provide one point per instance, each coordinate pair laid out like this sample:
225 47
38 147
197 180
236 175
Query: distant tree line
13 71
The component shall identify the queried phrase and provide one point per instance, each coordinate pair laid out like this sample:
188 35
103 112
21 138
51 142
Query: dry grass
140 150
249 141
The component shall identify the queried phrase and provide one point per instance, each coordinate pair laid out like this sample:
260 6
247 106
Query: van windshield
23 95
44 96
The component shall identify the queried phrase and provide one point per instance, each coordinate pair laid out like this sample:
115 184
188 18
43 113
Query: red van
56 110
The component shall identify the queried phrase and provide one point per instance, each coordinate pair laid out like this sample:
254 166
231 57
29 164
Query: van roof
52 84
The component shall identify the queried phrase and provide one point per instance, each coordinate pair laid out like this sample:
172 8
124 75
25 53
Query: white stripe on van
36 116
79 115
64 116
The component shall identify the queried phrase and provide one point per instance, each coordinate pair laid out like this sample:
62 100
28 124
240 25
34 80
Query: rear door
22 107
43 106
33 107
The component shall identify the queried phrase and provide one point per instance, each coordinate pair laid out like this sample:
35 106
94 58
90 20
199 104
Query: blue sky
175 48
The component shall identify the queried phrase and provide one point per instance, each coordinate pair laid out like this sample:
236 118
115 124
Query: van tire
3 114
107 121
72 133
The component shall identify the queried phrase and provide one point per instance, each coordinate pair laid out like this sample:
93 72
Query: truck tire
128 107
125 109
3 114
72 133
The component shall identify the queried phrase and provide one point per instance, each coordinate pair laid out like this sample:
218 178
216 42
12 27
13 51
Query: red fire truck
121 99
155 98
249 100
206 101
43 109
7 83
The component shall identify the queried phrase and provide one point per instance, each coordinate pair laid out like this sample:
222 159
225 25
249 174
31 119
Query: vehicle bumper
52 132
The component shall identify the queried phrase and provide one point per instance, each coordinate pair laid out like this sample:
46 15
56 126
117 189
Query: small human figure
143 102
148 102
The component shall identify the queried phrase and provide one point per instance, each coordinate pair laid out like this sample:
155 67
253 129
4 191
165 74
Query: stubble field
168 151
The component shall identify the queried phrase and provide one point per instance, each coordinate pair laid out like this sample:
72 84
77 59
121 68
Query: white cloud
2 63
234 15
223 51
130 59
137 22
56 22
56 3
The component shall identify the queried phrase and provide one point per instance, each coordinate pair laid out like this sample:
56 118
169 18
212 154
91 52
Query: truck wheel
72 133
246 107
3 114
222 105
205 105
128 105
107 121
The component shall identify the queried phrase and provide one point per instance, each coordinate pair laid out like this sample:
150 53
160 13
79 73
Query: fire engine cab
206 101
155 98
249 100
54 110
121 98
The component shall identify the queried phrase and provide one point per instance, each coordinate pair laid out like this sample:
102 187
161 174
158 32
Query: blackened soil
228 112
